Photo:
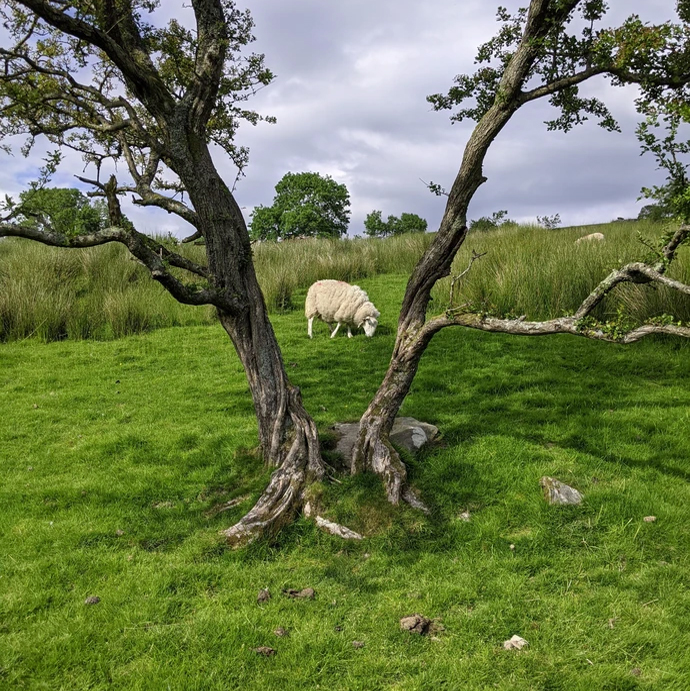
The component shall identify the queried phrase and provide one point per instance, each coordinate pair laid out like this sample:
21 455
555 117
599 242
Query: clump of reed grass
543 274
101 293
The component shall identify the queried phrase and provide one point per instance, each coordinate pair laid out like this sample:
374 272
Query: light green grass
149 433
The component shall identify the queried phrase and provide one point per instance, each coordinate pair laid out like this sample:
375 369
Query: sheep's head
369 325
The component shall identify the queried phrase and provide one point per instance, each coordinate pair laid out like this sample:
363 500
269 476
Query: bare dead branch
194 236
475 255
635 272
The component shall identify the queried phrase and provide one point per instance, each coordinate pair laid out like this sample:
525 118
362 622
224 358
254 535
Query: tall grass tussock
101 293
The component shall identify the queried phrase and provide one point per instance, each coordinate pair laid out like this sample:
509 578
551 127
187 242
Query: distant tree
375 226
654 212
549 222
496 220
411 223
63 210
305 205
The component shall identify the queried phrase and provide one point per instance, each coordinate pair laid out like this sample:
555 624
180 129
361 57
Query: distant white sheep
341 303
598 237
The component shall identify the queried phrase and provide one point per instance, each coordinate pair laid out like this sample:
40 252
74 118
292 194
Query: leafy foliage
70 90
671 153
63 210
549 222
635 52
305 205
498 219
375 226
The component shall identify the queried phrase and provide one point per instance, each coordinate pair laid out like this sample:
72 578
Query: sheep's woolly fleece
337 301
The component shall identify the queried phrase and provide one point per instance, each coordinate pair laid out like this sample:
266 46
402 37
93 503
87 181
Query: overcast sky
349 97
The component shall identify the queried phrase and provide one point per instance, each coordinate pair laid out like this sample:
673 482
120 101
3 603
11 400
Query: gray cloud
349 96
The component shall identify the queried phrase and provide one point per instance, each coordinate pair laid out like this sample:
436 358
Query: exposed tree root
374 451
283 498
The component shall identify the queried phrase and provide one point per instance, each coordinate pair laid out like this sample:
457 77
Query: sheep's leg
310 324
349 332
335 331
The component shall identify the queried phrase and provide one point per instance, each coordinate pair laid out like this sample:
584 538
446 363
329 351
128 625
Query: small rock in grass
92 600
280 632
512 547
649 519
465 516
515 643
305 593
558 493
264 650
357 644
119 532
415 623
263 596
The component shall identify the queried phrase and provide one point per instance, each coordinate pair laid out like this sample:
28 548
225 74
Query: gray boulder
558 493
407 433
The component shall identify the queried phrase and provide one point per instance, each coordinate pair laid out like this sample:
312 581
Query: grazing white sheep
337 301
599 237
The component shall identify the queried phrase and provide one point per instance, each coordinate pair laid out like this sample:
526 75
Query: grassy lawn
113 455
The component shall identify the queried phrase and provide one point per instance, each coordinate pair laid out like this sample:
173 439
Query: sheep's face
369 325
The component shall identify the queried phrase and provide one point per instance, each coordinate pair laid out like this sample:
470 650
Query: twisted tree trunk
287 434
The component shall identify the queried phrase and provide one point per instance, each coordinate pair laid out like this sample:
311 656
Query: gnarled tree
97 78
94 76
536 54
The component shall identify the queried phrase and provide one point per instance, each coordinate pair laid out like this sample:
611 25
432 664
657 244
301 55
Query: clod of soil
305 593
649 519
92 600
357 644
264 650
263 596
280 632
415 623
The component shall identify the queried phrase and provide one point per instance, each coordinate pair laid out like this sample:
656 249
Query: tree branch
121 42
210 58
559 84
636 272
143 248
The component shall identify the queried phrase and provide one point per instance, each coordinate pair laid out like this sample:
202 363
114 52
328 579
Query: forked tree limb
635 272
110 190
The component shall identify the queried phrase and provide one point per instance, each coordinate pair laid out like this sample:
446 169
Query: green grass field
100 293
114 454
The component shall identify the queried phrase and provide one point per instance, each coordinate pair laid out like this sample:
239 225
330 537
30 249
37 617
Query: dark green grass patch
117 456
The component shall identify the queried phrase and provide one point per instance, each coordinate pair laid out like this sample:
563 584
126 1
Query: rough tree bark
172 129
373 450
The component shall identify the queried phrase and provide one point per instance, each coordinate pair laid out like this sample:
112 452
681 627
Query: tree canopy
64 210
375 226
305 205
